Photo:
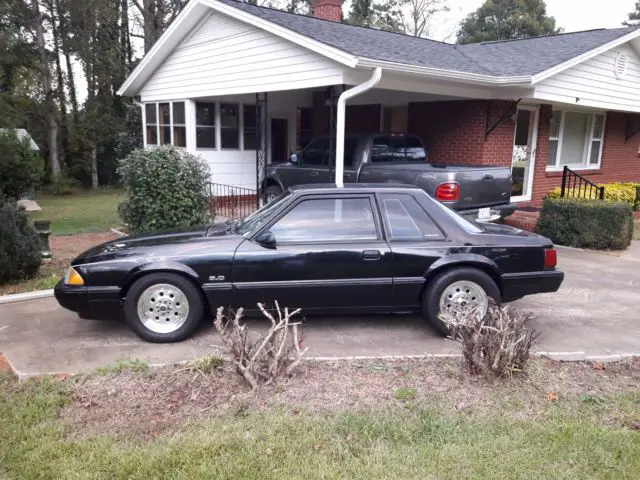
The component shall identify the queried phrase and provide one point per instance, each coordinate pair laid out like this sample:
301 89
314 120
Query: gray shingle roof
509 58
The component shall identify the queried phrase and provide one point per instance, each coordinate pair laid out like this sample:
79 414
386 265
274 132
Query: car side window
350 148
316 154
326 220
406 220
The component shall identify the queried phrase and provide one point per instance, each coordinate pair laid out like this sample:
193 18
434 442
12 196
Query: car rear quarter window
326 220
406 220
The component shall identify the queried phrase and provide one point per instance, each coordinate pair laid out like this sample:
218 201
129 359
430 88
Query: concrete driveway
596 313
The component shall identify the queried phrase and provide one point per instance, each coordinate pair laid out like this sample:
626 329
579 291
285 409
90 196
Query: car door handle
488 178
314 174
371 255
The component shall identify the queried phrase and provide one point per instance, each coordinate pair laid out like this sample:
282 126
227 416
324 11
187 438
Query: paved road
597 311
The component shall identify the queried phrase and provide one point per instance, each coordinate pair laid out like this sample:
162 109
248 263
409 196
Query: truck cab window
316 154
388 149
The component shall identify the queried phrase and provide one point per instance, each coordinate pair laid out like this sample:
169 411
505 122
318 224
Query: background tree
507 20
634 17
411 17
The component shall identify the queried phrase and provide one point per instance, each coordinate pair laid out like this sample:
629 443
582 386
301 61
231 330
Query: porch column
261 141
190 124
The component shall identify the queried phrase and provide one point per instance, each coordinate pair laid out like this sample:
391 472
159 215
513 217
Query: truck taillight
550 258
448 191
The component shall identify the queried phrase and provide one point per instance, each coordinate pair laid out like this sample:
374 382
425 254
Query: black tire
270 193
189 289
437 285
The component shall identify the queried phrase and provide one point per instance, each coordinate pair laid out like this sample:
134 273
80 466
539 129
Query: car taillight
550 258
448 192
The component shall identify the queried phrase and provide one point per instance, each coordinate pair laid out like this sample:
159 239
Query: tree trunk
52 123
62 96
94 168
66 50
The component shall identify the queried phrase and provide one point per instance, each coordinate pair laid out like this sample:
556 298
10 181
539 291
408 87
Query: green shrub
613 192
167 188
19 247
63 186
21 168
587 223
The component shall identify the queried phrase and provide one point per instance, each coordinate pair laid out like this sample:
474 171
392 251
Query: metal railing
229 202
576 186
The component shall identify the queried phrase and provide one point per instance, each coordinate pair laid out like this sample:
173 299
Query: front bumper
517 285
90 302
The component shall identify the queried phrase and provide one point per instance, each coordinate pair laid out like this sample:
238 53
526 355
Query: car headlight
72 277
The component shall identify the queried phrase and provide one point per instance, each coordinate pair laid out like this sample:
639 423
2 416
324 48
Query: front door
279 140
329 257
312 167
524 153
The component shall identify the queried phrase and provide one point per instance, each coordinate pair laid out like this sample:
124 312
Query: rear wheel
272 192
163 307
458 291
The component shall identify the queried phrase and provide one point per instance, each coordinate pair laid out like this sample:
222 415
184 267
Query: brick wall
620 162
454 132
359 118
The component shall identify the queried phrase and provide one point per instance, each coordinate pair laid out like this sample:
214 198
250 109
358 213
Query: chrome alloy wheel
463 297
163 308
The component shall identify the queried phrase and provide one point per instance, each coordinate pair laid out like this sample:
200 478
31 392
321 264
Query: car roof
353 188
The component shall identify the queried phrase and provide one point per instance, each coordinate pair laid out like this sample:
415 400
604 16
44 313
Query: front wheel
163 307
271 193
458 291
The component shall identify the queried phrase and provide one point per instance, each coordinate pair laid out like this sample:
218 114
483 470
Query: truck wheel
270 193
163 307
458 290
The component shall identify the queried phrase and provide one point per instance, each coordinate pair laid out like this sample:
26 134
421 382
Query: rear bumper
517 285
90 302
501 211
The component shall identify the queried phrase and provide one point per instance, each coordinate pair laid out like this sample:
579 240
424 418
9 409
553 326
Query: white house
243 85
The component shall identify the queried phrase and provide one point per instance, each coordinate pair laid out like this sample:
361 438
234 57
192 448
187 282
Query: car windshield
465 224
257 219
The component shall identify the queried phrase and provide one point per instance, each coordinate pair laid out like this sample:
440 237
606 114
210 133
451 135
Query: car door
353 157
416 242
312 167
329 257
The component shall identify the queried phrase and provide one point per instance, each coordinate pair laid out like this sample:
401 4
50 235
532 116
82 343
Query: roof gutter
341 123
463 77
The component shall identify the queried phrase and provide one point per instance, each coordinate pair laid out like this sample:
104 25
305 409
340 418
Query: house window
205 125
250 121
151 120
575 140
229 126
165 124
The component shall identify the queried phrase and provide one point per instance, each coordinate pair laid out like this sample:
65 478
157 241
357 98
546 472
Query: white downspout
341 122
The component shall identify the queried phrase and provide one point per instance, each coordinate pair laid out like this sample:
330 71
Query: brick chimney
327 9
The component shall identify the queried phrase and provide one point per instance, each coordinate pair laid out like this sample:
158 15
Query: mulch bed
145 405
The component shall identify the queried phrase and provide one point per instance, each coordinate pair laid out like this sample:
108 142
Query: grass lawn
49 431
88 211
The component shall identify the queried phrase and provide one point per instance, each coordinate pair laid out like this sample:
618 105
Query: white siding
595 85
225 56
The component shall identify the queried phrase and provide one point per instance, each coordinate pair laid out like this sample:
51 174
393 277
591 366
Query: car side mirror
293 158
267 239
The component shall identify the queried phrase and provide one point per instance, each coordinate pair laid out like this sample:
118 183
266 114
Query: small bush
496 344
587 223
21 169
64 186
613 192
167 189
20 255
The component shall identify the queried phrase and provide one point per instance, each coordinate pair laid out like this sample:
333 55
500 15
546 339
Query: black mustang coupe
328 250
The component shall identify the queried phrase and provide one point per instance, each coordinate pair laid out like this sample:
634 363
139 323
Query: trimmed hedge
613 192
587 223
167 189
20 254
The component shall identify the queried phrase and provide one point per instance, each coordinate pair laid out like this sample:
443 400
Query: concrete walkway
596 312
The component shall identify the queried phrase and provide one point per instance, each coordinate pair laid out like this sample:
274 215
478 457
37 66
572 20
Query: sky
572 15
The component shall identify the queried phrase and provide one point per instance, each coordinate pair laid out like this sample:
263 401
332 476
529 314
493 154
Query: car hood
166 244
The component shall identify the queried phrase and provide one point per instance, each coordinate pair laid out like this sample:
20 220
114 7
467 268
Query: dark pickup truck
480 191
